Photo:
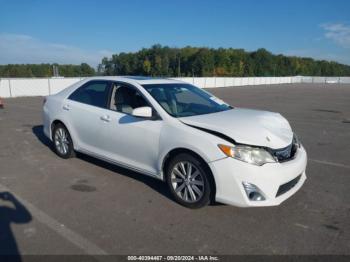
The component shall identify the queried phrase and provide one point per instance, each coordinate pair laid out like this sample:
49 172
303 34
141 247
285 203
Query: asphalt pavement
86 206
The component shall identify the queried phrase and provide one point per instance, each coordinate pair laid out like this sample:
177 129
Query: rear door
87 113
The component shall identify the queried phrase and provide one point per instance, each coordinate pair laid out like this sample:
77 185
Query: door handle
105 118
66 107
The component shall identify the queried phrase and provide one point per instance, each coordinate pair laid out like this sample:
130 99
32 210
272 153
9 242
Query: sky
76 31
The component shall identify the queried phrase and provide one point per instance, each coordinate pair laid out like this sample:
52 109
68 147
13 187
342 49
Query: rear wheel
62 140
188 181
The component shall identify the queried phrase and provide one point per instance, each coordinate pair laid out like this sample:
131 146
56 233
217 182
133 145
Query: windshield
181 100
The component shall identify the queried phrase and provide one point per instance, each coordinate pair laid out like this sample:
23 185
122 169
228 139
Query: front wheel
188 180
63 143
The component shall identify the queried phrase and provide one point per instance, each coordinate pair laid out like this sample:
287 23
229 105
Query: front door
130 140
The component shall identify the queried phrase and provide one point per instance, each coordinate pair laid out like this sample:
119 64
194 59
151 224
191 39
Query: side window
92 93
125 98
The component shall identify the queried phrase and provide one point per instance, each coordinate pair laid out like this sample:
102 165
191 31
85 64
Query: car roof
141 80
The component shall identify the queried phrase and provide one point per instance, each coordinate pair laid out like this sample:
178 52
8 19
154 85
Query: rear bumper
46 123
229 175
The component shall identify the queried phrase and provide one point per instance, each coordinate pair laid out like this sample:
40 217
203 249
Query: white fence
212 82
15 87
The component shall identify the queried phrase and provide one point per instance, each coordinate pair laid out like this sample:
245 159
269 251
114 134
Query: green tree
147 66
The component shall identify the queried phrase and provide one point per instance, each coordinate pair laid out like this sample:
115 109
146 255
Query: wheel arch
54 123
176 151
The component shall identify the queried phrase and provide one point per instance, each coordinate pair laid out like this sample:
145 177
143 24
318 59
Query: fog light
253 192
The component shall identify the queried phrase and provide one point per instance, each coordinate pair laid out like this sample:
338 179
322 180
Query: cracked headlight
253 155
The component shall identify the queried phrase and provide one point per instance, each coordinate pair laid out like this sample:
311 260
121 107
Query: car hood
247 126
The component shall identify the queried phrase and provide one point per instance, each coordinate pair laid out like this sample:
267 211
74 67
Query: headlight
253 155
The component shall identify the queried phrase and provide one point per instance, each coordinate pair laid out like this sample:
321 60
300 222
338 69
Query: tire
197 184
62 142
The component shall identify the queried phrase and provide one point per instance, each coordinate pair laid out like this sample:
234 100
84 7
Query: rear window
92 93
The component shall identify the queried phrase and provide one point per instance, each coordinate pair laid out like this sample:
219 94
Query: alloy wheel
187 182
61 141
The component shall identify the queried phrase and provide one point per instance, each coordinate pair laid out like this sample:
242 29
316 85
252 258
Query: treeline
45 70
188 61
192 61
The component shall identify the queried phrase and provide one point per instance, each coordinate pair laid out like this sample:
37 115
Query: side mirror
145 112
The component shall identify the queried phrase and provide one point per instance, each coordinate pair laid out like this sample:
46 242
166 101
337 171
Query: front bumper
229 175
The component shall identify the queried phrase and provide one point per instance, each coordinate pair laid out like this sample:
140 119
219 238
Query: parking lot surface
85 206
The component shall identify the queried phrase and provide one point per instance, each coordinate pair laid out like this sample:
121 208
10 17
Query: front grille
286 153
287 186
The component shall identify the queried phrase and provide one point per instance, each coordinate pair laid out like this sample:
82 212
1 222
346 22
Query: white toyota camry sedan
204 149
